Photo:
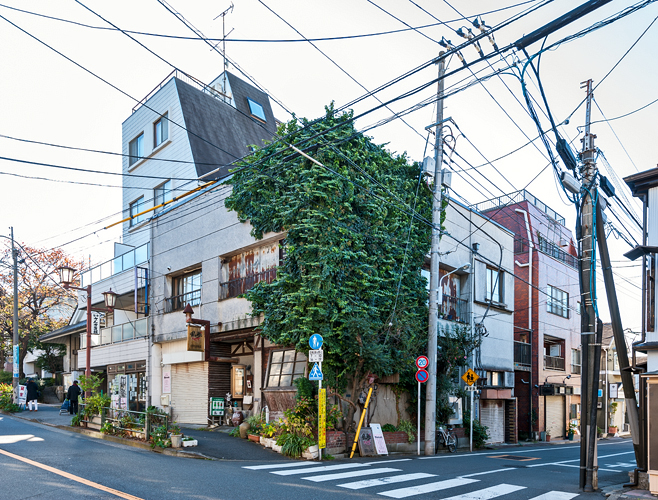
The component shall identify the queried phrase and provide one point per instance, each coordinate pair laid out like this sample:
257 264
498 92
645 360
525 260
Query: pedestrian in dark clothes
32 395
72 395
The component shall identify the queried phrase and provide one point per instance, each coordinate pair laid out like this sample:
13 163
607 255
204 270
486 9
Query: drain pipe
529 266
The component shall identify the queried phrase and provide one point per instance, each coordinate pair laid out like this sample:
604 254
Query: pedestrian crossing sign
315 374
470 377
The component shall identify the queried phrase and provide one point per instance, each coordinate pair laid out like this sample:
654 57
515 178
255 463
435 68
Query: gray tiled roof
231 130
62 332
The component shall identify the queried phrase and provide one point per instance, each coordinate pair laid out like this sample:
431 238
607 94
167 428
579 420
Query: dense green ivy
347 225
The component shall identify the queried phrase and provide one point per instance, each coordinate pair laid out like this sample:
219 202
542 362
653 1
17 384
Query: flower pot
176 440
311 452
548 438
187 444
612 430
269 442
254 438
570 436
276 447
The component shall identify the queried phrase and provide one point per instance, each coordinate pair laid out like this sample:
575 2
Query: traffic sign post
421 376
316 355
315 342
470 377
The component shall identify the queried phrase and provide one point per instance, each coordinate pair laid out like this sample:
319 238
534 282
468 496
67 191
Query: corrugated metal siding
555 416
492 414
219 374
189 392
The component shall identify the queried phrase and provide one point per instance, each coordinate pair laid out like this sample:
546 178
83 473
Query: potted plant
612 429
572 430
188 441
176 435
548 437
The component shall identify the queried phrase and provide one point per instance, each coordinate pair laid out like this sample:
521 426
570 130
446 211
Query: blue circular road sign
315 341
422 376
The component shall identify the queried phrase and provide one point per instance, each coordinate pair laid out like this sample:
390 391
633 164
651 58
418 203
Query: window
284 367
242 271
575 361
256 110
558 302
162 194
493 293
186 289
136 149
136 207
578 307
495 379
161 130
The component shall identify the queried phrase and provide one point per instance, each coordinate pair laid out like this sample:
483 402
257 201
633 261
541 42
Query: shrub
107 428
159 437
292 445
75 421
6 377
334 416
93 404
388 428
409 428
7 398
256 423
480 434
235 432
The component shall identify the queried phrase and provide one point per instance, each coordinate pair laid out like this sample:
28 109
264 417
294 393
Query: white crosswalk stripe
556 495
280 465
352 473
487 493
381 481
428 488
325 468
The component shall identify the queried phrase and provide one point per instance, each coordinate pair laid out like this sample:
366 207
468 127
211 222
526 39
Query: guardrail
125 421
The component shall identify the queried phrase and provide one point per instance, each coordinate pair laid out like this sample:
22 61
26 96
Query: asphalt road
39 462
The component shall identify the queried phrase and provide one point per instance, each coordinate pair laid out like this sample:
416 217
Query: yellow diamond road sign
470 377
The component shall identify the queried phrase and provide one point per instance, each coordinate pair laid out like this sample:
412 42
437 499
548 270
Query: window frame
160 192
299 360
555 304
251 101
139 206
138 143
161 136
489 282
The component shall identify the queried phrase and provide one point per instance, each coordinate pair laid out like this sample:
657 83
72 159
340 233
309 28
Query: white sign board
96 319
22 394
378 437
469 388
166 379
316 356
614 392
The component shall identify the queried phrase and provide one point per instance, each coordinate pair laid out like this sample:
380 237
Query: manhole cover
518 458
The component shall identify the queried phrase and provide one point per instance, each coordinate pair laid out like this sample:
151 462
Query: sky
74 84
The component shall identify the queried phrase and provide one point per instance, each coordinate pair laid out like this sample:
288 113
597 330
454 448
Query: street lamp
66 274
464 267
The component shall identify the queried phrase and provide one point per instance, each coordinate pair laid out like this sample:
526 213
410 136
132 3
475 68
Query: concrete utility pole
432 342
589 381
16 348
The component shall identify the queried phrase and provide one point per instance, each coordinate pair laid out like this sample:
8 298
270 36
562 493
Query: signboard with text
216 407
322 419
195 338
378 436
22 394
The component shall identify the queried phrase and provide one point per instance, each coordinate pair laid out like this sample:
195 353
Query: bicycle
447 439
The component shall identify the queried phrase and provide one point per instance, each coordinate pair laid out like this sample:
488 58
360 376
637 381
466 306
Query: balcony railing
179 302
553 363
548 248
453 309
522 354
238 286
518 197
116 265
117 333
575 369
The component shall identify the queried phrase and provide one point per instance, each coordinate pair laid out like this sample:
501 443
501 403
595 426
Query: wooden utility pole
589 380
16 344
432 342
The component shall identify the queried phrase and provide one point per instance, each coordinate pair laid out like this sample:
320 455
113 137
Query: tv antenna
224 35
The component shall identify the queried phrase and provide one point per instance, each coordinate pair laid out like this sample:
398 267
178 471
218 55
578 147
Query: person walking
32 395
72 395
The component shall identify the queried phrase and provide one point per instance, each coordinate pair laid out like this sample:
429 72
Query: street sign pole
319 417
418 419
470 437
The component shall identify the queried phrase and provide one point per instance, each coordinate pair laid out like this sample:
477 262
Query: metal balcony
553 363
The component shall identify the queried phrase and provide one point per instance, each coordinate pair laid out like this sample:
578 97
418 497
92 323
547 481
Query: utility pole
16 348
589 381
432 342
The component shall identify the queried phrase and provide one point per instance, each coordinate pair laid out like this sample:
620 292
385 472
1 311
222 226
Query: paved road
39 462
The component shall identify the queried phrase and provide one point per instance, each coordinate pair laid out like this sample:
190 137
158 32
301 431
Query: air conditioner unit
165 399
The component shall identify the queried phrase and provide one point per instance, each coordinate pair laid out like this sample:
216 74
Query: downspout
529 265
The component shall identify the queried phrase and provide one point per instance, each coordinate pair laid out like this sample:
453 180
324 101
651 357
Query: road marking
489 472
578 459
556 495
279 465
352 473
516 458
578 467
316 469
368 483
427 488
387 461
487 493
71 476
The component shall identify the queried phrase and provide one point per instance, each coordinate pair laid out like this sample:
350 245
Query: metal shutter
492 414
555 416
189 392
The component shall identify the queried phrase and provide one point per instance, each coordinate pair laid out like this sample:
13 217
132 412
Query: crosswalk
403 484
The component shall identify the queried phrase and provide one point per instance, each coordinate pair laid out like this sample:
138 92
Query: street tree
43 305
353 251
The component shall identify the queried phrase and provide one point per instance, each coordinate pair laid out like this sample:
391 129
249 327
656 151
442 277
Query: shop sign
322 419
216 407
378 436
195 338
22 394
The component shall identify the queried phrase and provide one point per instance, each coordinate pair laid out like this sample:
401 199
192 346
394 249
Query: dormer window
256 110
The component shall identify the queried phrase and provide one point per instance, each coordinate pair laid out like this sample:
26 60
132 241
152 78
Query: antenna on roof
223 16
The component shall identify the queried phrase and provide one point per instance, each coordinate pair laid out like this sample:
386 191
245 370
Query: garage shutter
492 414
555 416
189 392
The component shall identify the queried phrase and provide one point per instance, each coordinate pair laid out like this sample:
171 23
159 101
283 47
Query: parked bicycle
447 439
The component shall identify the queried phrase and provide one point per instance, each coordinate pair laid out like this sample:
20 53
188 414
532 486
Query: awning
64 331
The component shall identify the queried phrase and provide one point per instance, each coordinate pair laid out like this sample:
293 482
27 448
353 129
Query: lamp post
66 274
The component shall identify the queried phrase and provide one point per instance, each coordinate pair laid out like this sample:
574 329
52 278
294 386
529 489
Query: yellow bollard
363 414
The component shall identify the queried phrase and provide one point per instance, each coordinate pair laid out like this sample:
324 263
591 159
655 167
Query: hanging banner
322 419
16 358
195 338
97 319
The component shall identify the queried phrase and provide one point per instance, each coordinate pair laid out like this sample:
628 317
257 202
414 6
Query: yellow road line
71 476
